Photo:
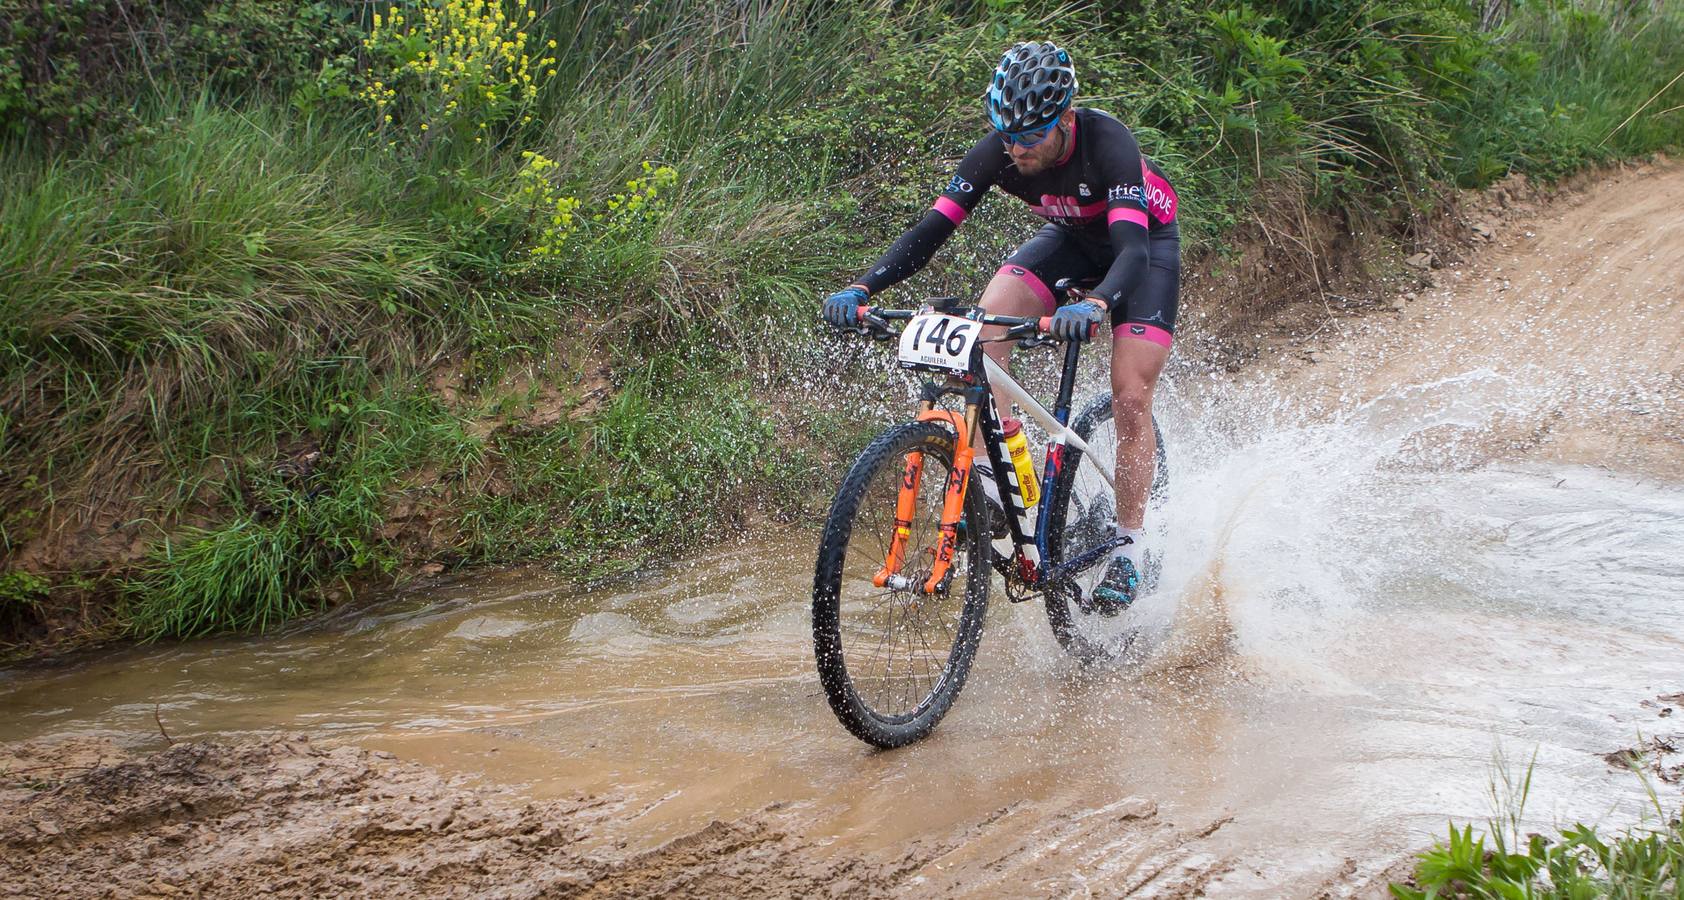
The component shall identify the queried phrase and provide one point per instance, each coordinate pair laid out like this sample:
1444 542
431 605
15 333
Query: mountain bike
901 587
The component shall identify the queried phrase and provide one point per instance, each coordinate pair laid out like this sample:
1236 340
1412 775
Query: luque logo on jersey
961 185
1083 190
1160 197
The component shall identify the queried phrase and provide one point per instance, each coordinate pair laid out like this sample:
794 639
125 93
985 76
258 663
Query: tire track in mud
294 817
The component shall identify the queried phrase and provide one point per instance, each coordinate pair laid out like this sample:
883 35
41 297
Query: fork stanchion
906 506
953 501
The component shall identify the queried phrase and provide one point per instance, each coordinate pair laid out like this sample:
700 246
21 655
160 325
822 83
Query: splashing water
1282 530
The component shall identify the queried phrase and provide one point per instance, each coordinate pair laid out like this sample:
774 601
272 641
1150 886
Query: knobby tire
848 650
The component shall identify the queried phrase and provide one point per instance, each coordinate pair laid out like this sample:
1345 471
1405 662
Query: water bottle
1017 444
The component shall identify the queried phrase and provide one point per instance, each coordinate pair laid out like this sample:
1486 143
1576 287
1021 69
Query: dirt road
1376 533
1582 300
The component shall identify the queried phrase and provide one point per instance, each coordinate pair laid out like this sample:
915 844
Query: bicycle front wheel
891 656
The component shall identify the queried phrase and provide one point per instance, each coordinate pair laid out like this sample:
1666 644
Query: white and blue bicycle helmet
1033 85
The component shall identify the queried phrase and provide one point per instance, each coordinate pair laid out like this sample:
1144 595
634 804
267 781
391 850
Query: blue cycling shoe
1116 592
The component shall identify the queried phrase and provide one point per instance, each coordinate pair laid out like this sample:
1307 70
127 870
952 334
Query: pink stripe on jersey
951 210
1034 282
1136 216
1144 332
1067 207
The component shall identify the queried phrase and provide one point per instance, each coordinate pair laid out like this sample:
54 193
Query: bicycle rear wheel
892 659
1083 510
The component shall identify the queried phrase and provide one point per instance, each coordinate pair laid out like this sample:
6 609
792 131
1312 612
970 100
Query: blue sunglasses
1030 138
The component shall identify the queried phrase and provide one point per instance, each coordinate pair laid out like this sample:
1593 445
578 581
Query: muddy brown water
1389 581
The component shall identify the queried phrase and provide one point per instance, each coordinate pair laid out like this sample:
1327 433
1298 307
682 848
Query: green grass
1577 83
1636 863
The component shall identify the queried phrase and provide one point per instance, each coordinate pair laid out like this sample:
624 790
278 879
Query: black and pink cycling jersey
1103 192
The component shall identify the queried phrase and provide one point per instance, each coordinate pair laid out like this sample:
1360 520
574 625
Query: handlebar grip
1045 325
861 312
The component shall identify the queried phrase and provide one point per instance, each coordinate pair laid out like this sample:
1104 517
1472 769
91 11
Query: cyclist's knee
1009 294
1131 398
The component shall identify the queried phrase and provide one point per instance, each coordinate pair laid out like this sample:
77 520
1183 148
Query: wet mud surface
286 815
1432 545
293 817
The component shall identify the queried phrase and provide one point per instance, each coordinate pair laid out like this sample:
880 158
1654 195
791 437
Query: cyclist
1110 219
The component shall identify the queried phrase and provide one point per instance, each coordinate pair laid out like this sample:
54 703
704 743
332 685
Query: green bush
71 66
1637 863
296 526
1561 91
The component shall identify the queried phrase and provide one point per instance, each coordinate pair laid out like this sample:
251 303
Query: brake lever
876 327
1028 336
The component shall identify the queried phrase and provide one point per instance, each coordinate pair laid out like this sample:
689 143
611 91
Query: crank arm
1086 560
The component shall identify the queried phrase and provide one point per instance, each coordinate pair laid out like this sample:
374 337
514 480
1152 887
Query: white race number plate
938 342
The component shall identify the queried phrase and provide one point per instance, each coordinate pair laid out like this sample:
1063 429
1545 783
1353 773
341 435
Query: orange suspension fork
906 506
953 502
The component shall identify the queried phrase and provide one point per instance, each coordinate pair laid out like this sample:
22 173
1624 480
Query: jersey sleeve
913 249
1118 166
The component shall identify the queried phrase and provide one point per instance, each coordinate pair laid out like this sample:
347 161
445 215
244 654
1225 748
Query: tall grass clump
150 295
298 524
1576 83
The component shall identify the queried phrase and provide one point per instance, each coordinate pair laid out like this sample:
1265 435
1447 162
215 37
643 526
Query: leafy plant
458 68
1639 862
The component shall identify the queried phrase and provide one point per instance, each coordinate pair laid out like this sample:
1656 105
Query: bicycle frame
990 380
1033 568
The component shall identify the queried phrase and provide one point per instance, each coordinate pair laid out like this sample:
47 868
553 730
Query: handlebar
874 322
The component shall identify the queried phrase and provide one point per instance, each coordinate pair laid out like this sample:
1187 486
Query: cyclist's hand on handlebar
842 309
1076 321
